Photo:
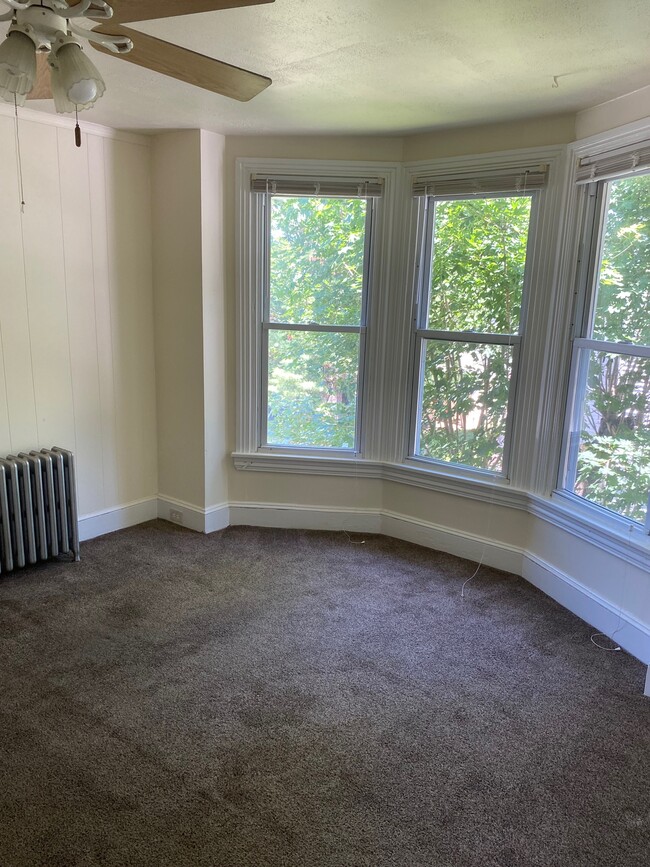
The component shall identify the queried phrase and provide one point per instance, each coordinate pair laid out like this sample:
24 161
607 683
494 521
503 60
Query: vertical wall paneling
45 282
5 428
14 319
82 330
101 282
76 308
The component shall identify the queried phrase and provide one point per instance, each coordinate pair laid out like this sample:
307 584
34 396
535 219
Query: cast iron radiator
38 508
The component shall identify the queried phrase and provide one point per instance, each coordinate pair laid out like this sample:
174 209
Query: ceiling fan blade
186 65
145 10
42 87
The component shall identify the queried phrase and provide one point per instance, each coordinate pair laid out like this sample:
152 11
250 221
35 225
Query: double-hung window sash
469 314
607 442
314 310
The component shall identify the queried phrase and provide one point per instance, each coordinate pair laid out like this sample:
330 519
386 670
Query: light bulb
76 83
82 92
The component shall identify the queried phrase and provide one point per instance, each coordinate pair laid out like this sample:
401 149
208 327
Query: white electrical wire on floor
471 577
619 624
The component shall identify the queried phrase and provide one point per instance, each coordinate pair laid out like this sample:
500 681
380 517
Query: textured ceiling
389 66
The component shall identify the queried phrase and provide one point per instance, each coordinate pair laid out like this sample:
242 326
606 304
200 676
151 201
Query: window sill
476 486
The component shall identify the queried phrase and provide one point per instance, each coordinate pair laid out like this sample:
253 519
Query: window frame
591 232
314 328
420 334
252 276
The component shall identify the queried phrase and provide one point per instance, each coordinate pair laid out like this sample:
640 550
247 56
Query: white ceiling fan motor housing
41 24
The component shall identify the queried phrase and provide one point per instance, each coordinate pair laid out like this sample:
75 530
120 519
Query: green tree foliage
316 267
613 467
477 275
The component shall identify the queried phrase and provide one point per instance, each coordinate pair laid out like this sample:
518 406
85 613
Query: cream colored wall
465 141
379 148
178 282
214 318
76 316
616 112
190 323
623 585
510 527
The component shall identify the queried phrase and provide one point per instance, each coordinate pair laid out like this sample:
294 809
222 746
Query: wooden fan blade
186 65
43 87
145 10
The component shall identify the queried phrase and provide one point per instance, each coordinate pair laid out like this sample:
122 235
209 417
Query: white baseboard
110 520
622 627
476 548
193 517
217 518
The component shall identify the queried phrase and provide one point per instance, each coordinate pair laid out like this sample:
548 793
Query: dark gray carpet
281 698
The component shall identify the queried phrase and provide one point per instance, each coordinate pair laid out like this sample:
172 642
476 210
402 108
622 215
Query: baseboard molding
476 548
627 631
110 520
193 517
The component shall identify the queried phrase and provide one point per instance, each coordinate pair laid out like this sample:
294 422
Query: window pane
479 257
465 403
317 257
613 461
623 293
312 393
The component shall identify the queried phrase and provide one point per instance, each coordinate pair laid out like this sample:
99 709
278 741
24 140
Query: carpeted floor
282 698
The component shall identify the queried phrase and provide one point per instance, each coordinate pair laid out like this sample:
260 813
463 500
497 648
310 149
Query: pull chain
19 159
77 130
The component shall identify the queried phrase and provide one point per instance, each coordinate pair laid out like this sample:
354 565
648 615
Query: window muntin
468 327
314 323
608 443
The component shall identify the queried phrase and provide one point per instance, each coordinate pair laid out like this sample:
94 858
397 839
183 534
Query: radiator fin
38 507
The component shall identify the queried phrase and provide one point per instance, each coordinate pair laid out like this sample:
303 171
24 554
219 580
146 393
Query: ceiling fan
42 56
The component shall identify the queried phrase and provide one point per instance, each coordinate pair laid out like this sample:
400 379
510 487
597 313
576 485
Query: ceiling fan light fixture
76 82
17 67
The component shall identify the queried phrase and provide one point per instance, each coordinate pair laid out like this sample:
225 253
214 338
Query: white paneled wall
76 307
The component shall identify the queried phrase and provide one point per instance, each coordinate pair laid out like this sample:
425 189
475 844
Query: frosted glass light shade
17 67
76 82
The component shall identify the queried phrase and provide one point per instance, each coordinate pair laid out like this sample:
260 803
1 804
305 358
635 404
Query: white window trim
250 265
527 462
421 334
388 380
609 530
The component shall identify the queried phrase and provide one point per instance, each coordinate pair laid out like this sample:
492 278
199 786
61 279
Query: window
607 452
314 313
469 317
